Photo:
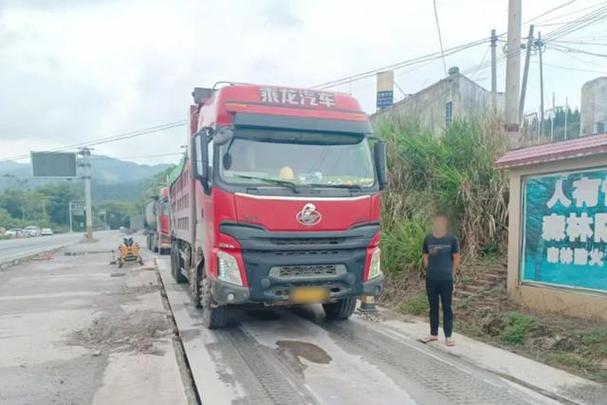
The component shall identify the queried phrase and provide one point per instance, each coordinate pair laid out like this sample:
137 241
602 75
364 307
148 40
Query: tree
6 221
13 200
117 212
573 124
58 196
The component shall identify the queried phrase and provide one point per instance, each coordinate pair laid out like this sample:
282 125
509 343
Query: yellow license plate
308 295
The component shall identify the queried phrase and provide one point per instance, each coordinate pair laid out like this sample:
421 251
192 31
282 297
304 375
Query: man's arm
457 259
425 256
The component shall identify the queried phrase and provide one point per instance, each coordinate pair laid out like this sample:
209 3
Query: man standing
441 259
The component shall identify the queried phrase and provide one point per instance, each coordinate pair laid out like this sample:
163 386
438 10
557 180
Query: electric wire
440 37
107 139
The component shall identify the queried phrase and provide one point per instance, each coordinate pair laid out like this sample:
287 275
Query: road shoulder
549 381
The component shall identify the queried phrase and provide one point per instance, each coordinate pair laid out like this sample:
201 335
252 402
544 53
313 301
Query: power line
579 23
399 65
537 17
481 63
570 68
575 25
581 43
137 157
567 49
108 139
425 58
440 37
568 15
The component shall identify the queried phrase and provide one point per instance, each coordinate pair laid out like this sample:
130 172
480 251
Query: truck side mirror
379 153
200 157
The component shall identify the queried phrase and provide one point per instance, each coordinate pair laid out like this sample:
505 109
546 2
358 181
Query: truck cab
283 201
156 223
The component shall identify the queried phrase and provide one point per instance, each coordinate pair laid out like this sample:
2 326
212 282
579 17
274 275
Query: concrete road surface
284 356
76 330
14 249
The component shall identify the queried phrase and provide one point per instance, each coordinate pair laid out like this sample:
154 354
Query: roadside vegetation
455 173
48 207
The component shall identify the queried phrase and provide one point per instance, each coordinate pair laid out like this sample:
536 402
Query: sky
74 70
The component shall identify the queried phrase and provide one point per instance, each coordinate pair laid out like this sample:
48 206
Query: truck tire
341 309
175 268
213 317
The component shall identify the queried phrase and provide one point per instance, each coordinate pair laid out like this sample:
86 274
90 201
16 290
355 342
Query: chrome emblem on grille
308 215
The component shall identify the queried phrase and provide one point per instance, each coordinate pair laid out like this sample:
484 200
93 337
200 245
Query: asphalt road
284 356
76 330
14 249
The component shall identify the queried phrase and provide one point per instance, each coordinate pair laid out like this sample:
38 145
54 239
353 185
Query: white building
594 107
454 97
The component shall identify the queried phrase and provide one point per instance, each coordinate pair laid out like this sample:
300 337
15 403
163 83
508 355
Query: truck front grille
307 271
305 241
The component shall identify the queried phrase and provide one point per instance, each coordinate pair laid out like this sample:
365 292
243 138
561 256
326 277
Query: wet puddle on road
308 351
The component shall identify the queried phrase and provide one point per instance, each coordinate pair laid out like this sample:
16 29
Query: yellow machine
128 251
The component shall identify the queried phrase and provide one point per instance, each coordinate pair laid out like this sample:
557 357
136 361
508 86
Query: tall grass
453 173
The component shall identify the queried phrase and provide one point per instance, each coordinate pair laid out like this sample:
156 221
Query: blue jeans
442 289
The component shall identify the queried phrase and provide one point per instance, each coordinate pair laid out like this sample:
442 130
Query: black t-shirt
440 256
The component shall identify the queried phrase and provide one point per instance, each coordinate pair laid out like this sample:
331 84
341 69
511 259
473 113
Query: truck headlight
227 268
375 265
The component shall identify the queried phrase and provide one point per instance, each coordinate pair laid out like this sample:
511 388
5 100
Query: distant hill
112 178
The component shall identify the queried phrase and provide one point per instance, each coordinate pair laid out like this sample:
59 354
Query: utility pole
513 69
525 73
540 47
86 176
552 117
566 116
70 213
493 71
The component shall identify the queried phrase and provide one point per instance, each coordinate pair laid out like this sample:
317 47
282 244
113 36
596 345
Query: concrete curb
190 387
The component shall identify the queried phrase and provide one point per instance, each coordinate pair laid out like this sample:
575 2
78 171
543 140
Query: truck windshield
164 207
289 158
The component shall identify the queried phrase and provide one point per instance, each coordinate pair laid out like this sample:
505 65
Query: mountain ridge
112 178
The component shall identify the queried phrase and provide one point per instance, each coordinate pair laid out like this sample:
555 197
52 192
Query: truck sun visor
300 123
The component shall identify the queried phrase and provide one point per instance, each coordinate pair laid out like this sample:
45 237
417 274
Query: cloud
74 70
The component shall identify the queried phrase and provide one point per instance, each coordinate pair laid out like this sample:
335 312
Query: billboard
385 89
54 164
565 229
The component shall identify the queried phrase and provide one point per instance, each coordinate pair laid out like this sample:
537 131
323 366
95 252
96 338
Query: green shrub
416 304
454 173
572 360
517 328
402 245
594 337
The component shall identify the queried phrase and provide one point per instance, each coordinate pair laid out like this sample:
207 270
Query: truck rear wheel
175 266
341 309
213 317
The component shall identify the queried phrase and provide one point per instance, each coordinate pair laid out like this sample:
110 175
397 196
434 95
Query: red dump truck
277 201
156 223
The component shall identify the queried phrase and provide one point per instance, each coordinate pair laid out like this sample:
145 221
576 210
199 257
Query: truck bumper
276 263
228 293
274 293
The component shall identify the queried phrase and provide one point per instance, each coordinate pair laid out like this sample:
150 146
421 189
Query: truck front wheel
213 316
341 309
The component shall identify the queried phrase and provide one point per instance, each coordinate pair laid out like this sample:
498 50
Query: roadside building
454 97
557 242
594 107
